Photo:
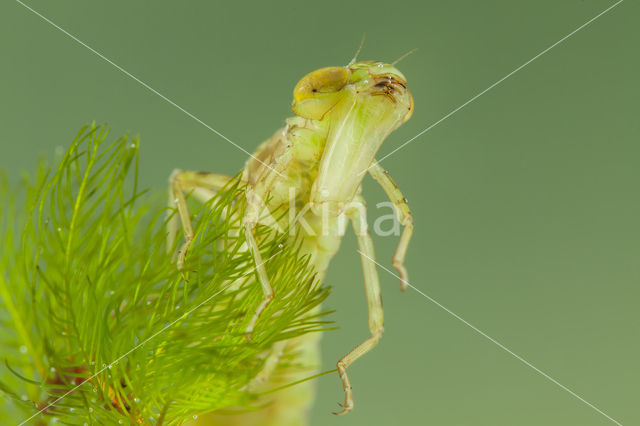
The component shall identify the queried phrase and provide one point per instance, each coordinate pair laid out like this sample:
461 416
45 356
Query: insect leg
270 364
267 291
204 186
404 216
255 205
357 214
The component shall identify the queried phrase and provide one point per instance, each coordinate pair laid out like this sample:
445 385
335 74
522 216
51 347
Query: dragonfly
318 160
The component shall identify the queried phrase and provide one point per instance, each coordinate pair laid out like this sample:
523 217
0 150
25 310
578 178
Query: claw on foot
346 408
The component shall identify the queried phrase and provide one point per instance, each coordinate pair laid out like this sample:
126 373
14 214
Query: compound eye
324 80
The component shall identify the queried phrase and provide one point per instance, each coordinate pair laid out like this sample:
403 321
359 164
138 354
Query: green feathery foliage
97 326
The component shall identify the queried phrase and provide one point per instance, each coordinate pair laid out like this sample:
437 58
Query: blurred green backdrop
526 201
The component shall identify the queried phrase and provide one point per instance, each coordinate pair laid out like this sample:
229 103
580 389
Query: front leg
357 213
255 205
204 186
404 216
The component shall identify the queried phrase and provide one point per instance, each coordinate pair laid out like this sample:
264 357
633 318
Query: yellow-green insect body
313 168
344 115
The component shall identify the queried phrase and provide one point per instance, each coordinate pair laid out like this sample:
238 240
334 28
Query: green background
526 201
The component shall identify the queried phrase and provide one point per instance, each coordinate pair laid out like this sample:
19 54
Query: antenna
404 56
358 51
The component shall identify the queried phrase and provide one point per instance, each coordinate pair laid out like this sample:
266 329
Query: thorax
288 199
306 140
